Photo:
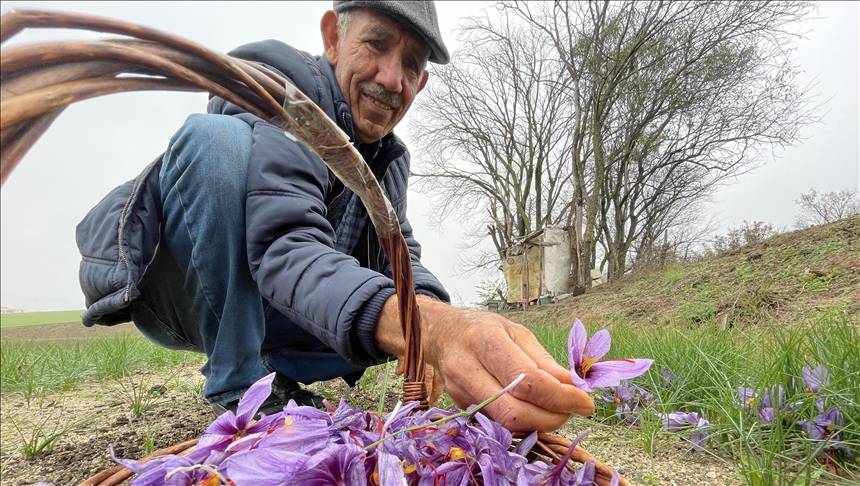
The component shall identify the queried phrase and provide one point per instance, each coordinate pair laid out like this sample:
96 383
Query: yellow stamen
211 481
408 468
288 421
456 454
587 363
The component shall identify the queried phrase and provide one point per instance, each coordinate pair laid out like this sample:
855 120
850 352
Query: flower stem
463 413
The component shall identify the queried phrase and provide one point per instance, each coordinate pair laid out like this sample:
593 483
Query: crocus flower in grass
815 379
773 402
586 369
824 425
677 421
746 397
668 377
628 399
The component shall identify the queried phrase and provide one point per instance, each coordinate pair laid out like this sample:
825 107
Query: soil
97 415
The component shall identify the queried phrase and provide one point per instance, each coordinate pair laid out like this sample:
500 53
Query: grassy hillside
791 277
37 318
757 321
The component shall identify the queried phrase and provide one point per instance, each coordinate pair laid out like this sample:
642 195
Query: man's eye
411 66
376 44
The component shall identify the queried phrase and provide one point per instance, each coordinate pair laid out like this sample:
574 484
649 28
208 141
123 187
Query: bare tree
613 118
682 237
674 97
828 207
496 123
749 233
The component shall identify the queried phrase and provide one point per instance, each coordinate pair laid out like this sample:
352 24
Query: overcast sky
98 144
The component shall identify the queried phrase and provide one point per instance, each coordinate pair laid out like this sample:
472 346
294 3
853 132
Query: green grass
709 363
42 433
32 368
37 318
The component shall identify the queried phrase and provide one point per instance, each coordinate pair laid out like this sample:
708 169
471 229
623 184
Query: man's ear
328 28
424 76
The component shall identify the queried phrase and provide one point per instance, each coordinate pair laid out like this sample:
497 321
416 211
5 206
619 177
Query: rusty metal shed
538 266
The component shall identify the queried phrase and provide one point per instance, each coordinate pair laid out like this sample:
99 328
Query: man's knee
212 149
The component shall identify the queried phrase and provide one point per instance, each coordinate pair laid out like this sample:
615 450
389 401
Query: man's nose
390 74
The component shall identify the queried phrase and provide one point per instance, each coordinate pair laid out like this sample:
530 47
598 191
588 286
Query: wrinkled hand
478 353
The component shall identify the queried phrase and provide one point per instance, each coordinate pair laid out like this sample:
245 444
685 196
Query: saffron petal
598 345
576 342
225 424
624 368
265 466
252 400
390 471
601 377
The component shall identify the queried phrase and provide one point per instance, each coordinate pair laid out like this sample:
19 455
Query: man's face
379 66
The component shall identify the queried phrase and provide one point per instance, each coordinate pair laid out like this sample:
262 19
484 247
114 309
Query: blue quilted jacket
318 265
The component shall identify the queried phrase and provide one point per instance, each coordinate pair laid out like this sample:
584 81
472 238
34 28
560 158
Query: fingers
529 343
538 387
505 360
514 414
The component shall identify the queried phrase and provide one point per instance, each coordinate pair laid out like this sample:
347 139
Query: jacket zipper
123 215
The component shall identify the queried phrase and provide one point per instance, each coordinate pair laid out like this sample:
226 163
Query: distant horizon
4 309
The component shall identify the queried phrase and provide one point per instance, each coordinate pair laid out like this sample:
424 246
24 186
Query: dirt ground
100 414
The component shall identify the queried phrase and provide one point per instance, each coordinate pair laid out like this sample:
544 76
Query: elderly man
238 242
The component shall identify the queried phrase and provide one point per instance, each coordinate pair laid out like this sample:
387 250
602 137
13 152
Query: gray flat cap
419 16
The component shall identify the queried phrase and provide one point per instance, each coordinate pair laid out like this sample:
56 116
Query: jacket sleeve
291 251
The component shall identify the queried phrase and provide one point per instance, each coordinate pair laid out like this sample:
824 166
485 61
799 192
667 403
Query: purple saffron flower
824 425
586 369
815 379
629 399
302 437
698 426
389 471
525 446
269 466
232 426
559 474
667 377
773 403
336 464
746 397
154 472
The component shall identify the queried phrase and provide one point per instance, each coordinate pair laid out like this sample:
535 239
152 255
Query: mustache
379 93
